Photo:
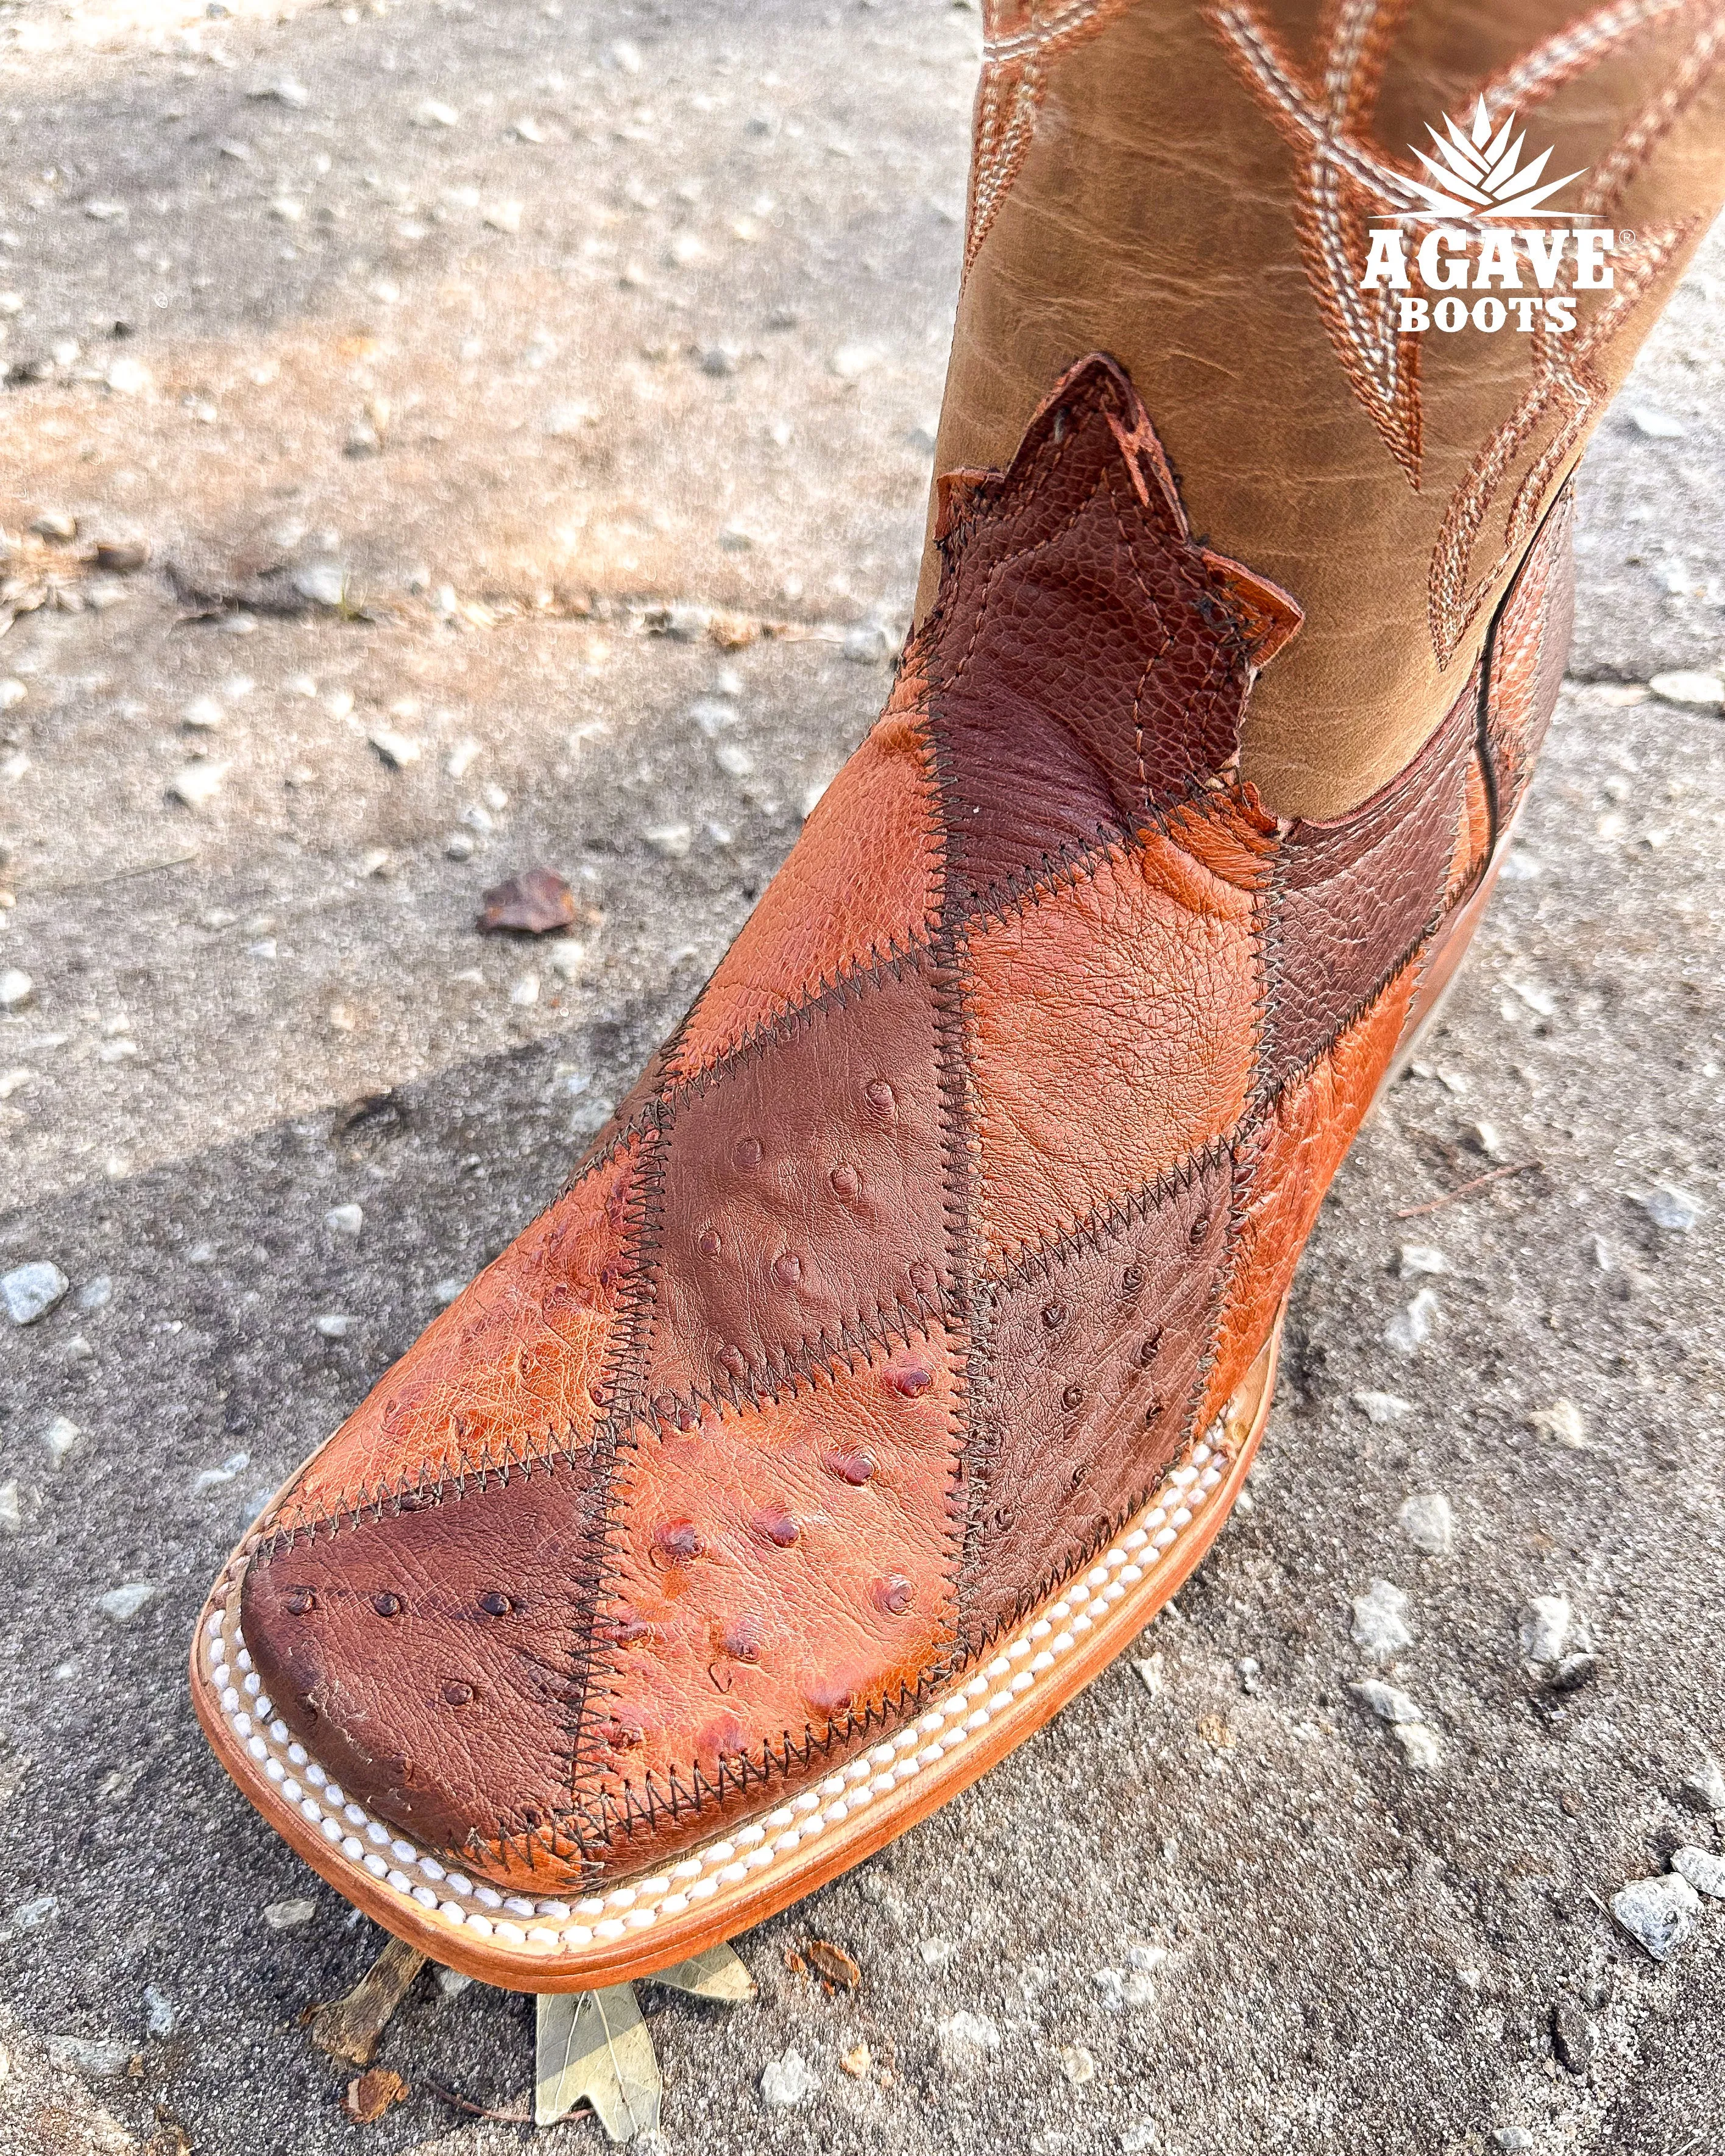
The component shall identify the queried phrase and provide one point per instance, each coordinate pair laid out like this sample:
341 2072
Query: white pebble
1408 1331
60 1437
289 1916
1388 1701
1703 1869
16 988
344 1219
121 1604
1380 1627
1656 425
1684 686
1545 1629
1667 1207
32 1288
198 784
1561 1423
1382 1407
1428 1522
1422 1258
672 840
1662 1913
336 1325
398 750
203 714
787 2080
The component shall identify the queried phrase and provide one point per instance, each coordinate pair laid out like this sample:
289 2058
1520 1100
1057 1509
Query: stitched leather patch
1529 650
514 1369
784 1574
1092 1356
804 1198
1111 1037
862 885
1351 900
1085 660
1287 1159
431 1660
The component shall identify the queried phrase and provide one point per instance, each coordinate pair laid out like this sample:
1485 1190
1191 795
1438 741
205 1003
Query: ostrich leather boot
901 1344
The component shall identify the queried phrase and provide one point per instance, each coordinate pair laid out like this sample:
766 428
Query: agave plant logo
1469 228
1482 175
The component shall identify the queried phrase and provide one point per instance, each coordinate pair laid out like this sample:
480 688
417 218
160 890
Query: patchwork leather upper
964 1195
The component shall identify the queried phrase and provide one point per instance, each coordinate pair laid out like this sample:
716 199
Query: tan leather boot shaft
1190 187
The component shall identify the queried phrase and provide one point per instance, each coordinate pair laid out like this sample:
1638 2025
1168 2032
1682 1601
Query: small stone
1419 1746
1382 1407
935 1951
289 1916
505 217
216 1478
1512 2137
398 750
121 1604
1426 1519
787 2080
1561 1423
336 1325
1704 1870
528 130
1667 1207
451 1983
98 2058
1572 2040
31 1916
286 90
12 692
1380 1627
32 1289
1077 2064
11 1518
161 2009
16 988
460 846
1686 686
344 1219
1150 1674
537 902
851 361
1703 1789
567 957
1417 1258
868 644
1489 1139
1545 1628
1408 1331
1661 1914
434 114
203 714
55 523
198 784
127 378
1388 1701
445 1291
325 584
734 760
1656 425
96 1294
672 840
61 1438
525 992
1540 1001
966 2039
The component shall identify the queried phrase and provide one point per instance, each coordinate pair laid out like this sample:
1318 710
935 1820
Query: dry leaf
371 2094
834 1964
536 902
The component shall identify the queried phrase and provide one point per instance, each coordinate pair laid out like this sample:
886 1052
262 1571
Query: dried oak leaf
834 1964
536 902
371 2094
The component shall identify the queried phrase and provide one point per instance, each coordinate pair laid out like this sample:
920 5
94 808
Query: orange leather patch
1112 1032
779 1569
509 1370
1290 1155
1473 832
862 882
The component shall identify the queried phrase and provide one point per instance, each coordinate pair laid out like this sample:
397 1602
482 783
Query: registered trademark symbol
1626 240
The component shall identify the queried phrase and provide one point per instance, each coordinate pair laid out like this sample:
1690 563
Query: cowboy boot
901 1344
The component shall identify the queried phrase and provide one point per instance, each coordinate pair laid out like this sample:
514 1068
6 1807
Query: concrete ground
546 392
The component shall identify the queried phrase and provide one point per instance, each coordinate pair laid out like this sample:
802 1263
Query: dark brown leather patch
1092 1357
1349 900
1530 646
430 1658
1085 660
803 1202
